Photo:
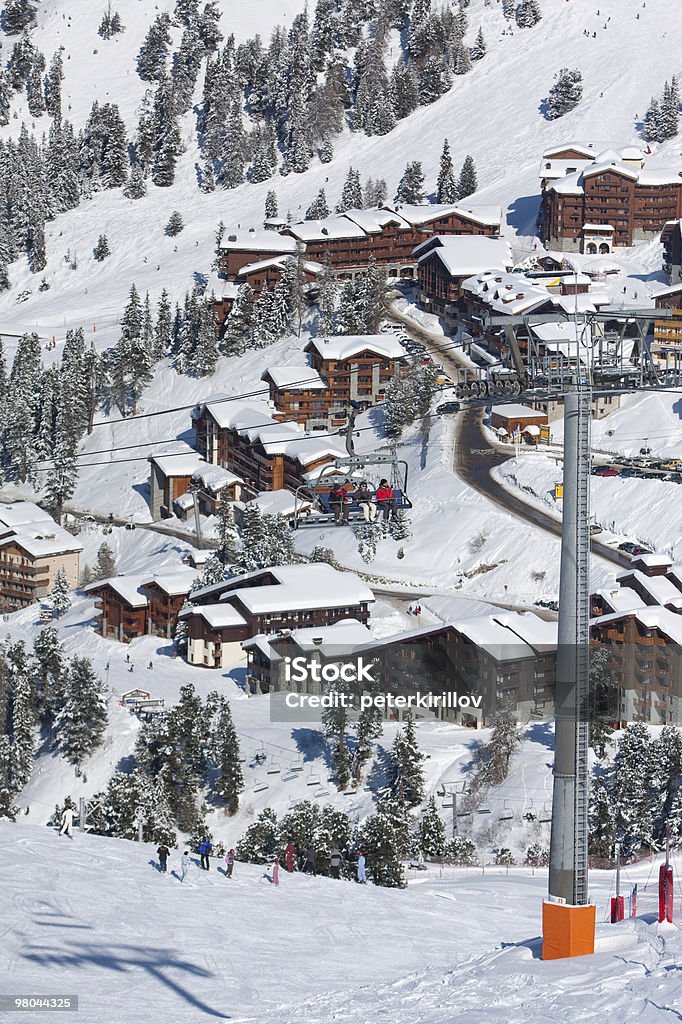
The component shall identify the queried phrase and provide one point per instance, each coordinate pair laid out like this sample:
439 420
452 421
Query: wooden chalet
32 550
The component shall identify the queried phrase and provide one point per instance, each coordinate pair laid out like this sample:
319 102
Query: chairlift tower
608 353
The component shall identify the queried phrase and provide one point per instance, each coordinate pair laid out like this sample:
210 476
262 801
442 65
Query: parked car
605 471
551 605
448 407
633 549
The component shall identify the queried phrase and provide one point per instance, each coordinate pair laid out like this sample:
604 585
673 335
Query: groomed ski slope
93 917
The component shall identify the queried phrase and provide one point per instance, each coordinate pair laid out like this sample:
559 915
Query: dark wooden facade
22 579
117 618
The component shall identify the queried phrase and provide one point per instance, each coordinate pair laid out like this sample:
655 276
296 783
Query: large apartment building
32 550
596 200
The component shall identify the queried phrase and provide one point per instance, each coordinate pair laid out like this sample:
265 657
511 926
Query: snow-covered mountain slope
137 946
492 113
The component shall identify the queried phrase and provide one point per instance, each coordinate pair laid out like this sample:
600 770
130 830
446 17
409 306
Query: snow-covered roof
588 149
669 623
660 589
184 501
253 421
482 214
127 587
215 477
540 634
620 599
507 293
301 378
464 255
674 289
532 429
375 219
519 412
173 583
339 639
653 560
346 345
41 539
218 616
620 161
267 241
301 587
587 302
279 262
280 502
18 513
183 461
486 632
335 226
598 227
221 288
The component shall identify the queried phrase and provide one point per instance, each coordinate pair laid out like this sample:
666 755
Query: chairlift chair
448 801
297 765
313 779
545 813
319 793
484 809
507 813
348 467
260 785
273 767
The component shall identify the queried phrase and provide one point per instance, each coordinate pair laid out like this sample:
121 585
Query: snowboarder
205 848
275 871
229 863
290 855
184 865
163 853
310 859
335 861
67 821
362 877
386 500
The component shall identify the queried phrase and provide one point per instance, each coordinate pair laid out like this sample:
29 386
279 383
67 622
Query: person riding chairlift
338 504
363 496
386 500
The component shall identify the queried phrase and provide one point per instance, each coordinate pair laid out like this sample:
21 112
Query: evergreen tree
432 831
478 50
351 193
446 188
23 723
226 531
129 799
669 111
63 474
404 89
461 851
528 13
326 301
105 566
266 540
411 187
461 60
509 8
271 205
131 361
406 772
504 742
259 842
151 62
468 181
336 723
136 187
18 16
49 671
101 250
565 94
225 753
175 224
379 840
205 357
407 398
318 209
53 87
60 594
81 722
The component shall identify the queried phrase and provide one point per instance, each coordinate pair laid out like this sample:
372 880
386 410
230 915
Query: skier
163 853
335 861
229 863
289 855
386 500
184 865
363 496
275 871
310 859
362 877
150 665
128 658
205 848
67 821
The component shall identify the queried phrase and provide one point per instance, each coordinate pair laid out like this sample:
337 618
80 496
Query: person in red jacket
386 500
290 855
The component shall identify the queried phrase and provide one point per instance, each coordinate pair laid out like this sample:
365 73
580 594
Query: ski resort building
128 607
445 261
516 421
32 550
671 237
177 478
607 200
667 343
265 454
268 601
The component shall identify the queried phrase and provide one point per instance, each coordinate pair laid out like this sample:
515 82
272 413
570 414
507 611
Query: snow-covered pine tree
461 60
326 150
404 89
318 209
22 409
53 87
175 224
136 187
509 8
468 180
226 530
632 788
101 250
336 724
49 665
163 327
368 536
81 722
127 799
259 842
669 118
411 187
23 723
225 753
205 357
503 743
378 838
528 13
479 49
432 831
368 728
105 566
18 16
8 809
602 824
351 193
131 361
239 321
326 300
63 473
446 189
406 773
151 62
565 94
271 206
400 526
461 851
60 593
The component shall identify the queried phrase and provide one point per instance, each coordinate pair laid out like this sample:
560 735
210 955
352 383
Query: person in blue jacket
205 847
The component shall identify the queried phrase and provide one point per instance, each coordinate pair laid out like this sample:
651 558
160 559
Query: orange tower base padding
567 930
